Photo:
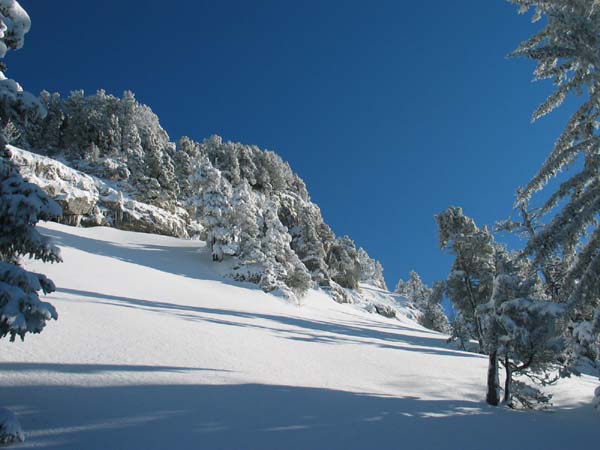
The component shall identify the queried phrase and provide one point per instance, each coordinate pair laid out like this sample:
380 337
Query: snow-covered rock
88 200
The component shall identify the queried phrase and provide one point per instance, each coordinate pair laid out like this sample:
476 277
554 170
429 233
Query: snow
154 350
15 20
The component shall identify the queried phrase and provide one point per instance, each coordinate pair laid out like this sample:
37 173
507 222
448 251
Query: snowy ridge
154 350
96 202
92 201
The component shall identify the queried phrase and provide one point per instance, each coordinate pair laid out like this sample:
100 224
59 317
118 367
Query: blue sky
390 111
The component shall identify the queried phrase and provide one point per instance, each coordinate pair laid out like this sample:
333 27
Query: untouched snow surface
153 350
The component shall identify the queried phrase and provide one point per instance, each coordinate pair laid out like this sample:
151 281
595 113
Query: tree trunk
478 326
492 379
507 381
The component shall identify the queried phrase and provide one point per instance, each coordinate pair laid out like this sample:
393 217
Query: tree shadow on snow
94 368
177 260
268 417
300 329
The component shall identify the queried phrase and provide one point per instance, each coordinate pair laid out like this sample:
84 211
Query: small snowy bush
10 428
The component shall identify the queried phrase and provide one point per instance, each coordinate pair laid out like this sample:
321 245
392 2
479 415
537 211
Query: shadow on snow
300 329
265 417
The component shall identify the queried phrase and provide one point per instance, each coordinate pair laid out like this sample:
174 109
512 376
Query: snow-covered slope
153 350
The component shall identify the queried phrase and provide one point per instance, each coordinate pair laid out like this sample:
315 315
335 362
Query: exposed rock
385 311
89 201
338 293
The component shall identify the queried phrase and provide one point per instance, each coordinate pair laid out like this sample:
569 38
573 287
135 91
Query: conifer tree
504 306
283 268
426 301
566 51
343 263
22 205
470 282
308 245
433 315
371 271
214 208
248 224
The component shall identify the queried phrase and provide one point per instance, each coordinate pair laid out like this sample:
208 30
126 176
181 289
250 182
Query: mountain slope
154 350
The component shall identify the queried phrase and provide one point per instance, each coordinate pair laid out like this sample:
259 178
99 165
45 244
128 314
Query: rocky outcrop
90 201
385 311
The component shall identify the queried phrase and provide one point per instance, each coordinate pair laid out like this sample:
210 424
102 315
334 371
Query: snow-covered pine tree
343 263
433 315
501 300
248 223
371 271
307 244
415 291
426 301
185 156
213 206
49 136
283 269
22 204
460 331
523 330
471 279
224 156
566 51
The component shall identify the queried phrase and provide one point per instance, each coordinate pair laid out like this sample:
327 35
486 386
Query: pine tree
501 300
283 270
248 222
45 134
425 301
187 153
343 263
470 282
22 205
566 51
433 315
416 292
213 204
524 331
307 244
371 271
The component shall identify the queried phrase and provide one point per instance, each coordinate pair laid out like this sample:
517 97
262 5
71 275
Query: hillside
154 350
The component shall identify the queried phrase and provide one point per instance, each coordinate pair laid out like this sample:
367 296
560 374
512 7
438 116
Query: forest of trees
250 204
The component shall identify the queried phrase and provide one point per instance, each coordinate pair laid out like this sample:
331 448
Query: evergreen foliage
563 232
22 205
229 188
425 301
502 303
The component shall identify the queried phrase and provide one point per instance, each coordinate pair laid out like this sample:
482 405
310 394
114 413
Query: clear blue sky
389 110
